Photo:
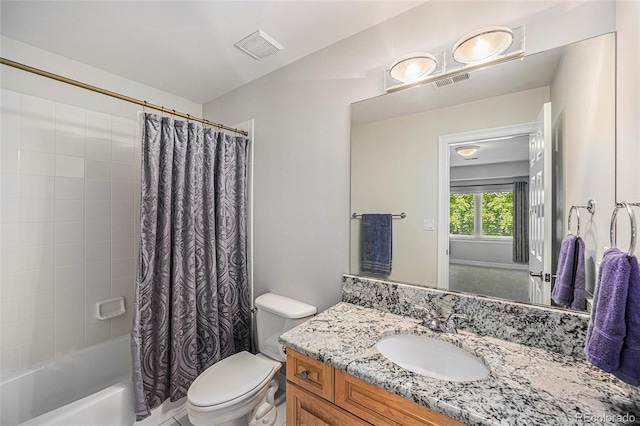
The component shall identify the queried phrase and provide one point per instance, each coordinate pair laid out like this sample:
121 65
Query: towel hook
632 219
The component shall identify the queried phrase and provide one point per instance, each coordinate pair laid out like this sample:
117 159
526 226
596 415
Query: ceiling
187 47
500 150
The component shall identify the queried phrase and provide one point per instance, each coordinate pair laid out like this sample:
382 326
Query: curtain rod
146 104
486 184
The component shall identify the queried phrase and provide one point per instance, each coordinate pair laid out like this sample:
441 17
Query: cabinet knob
304 375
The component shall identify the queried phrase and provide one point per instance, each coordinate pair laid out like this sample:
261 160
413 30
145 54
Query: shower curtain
192 304
520 222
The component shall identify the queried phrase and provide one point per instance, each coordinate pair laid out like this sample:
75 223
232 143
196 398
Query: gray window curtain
192 305
520 222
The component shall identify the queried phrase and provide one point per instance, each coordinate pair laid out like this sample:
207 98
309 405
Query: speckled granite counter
526 386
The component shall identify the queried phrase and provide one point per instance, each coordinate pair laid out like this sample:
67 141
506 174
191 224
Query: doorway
476 211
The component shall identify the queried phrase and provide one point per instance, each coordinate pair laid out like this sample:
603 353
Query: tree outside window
461 214
494 219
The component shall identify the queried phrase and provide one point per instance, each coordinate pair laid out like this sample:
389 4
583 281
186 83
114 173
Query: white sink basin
432 357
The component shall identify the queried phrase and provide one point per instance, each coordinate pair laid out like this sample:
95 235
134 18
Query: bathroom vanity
318 394
336 376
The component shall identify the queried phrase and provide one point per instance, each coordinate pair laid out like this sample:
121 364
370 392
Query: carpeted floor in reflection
511 284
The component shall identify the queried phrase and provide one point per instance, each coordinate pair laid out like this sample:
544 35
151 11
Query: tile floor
180 419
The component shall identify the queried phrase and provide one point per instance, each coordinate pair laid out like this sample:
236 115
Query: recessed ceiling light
467 151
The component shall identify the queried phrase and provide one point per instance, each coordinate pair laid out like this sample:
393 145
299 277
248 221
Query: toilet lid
229 379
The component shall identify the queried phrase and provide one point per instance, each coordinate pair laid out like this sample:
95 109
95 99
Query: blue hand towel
607 326
570 274
629 370
375 245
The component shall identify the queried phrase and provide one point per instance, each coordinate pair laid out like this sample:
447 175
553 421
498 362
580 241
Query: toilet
240 390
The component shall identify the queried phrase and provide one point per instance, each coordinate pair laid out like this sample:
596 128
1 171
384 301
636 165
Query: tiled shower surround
70 207
554 330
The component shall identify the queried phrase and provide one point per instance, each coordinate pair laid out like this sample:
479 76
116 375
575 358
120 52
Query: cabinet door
382 408
310 374
306 409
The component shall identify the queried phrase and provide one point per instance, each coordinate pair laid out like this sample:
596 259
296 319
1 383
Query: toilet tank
275 315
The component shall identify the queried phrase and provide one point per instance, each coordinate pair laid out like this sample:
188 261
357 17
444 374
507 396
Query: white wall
31 84
468 175
627 114
492 253
405 178
302 127
70 180
583 116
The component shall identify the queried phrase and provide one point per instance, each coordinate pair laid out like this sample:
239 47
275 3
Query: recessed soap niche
110 308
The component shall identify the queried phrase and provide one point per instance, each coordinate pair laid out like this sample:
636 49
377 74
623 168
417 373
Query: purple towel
629 370
569 288
607 326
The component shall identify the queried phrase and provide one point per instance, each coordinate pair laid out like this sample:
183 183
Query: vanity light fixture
478 49
413 66
482 45
467 150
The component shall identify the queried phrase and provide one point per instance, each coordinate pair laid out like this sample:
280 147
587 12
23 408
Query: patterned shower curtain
192 304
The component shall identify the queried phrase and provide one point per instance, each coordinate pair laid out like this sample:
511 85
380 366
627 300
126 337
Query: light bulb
482 48
412 66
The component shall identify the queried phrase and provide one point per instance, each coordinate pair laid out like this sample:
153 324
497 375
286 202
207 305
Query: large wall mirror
459 230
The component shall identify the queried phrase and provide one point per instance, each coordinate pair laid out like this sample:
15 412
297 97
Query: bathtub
112 406
45 387
90 387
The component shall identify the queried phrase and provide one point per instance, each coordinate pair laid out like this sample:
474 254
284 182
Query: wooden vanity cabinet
319 395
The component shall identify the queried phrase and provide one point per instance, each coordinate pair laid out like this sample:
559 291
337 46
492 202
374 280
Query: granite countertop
526 386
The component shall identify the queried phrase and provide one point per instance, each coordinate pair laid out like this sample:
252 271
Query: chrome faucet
437 323
431 319
450 323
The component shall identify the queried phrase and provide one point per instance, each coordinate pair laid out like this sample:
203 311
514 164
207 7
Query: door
540 208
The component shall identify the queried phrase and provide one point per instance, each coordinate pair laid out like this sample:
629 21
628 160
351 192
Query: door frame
444 141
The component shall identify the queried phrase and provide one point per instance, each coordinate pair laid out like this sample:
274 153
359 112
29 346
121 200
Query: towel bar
632 219
590 207
400 215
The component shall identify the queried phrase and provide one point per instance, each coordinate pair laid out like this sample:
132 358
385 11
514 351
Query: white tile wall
68 210
99 148
68 166
69 188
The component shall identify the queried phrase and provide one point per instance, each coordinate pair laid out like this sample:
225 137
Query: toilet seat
231 380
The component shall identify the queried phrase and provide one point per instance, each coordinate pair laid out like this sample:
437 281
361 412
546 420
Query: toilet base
263 411
237 422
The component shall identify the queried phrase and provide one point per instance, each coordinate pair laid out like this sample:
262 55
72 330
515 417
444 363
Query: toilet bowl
240 390
232 389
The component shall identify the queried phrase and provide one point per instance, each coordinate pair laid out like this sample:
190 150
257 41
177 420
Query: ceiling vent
453 79
259 45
